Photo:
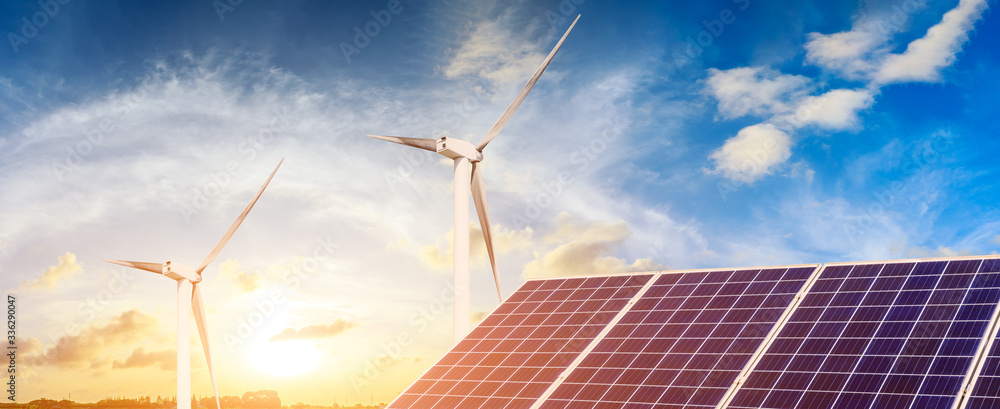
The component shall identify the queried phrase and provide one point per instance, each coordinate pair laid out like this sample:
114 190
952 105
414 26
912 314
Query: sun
284 358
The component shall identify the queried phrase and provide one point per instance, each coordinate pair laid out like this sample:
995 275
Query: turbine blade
151 267
232 229
198 307
422 143
500 123
479 197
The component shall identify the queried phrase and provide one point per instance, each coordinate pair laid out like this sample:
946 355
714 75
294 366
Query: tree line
262 399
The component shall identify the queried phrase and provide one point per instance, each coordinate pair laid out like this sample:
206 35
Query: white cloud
585 248
753 153
925 57
854 54
67 267
859 54
836 109
755 91
494 53
996 239
864 52
847 52
840 229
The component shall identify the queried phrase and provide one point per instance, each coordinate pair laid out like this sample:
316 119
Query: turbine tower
189 300
464 154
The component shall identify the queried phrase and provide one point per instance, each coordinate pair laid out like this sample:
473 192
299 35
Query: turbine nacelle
457 148
178 271
175 271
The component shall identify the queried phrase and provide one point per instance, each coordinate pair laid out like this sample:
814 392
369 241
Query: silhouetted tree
230 402
208 402
42 404
262 399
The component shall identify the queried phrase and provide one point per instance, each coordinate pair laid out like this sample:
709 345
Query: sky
664 135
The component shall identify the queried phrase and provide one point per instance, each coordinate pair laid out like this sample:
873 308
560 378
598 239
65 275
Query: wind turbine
189 300
464 154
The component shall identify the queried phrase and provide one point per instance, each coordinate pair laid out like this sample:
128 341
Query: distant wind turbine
464 153
189 300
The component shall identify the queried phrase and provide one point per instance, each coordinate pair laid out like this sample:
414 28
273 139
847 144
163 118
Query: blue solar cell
908 333
985 392
711 324
890 335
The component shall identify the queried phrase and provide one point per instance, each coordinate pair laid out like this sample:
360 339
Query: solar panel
520 349
684 342
878 335
985 392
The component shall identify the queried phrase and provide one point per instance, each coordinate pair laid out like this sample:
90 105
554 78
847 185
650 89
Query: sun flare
284 358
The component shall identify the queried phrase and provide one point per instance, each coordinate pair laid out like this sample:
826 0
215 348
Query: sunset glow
663 135
287 358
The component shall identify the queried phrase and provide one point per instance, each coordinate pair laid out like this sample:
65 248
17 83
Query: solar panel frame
990 329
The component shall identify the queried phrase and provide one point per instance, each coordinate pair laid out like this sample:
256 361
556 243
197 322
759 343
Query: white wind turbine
189 300
464 153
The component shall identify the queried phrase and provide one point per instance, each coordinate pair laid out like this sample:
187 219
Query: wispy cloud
940 251
247 282
495 53
315 331
894 201
441 255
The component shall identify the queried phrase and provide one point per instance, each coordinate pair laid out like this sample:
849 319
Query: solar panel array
908 334
513 356
900 335
986 391
684 342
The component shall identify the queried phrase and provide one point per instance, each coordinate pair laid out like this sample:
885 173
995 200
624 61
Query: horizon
195 398
662 136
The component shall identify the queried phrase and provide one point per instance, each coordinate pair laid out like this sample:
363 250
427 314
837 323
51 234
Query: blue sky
695 134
